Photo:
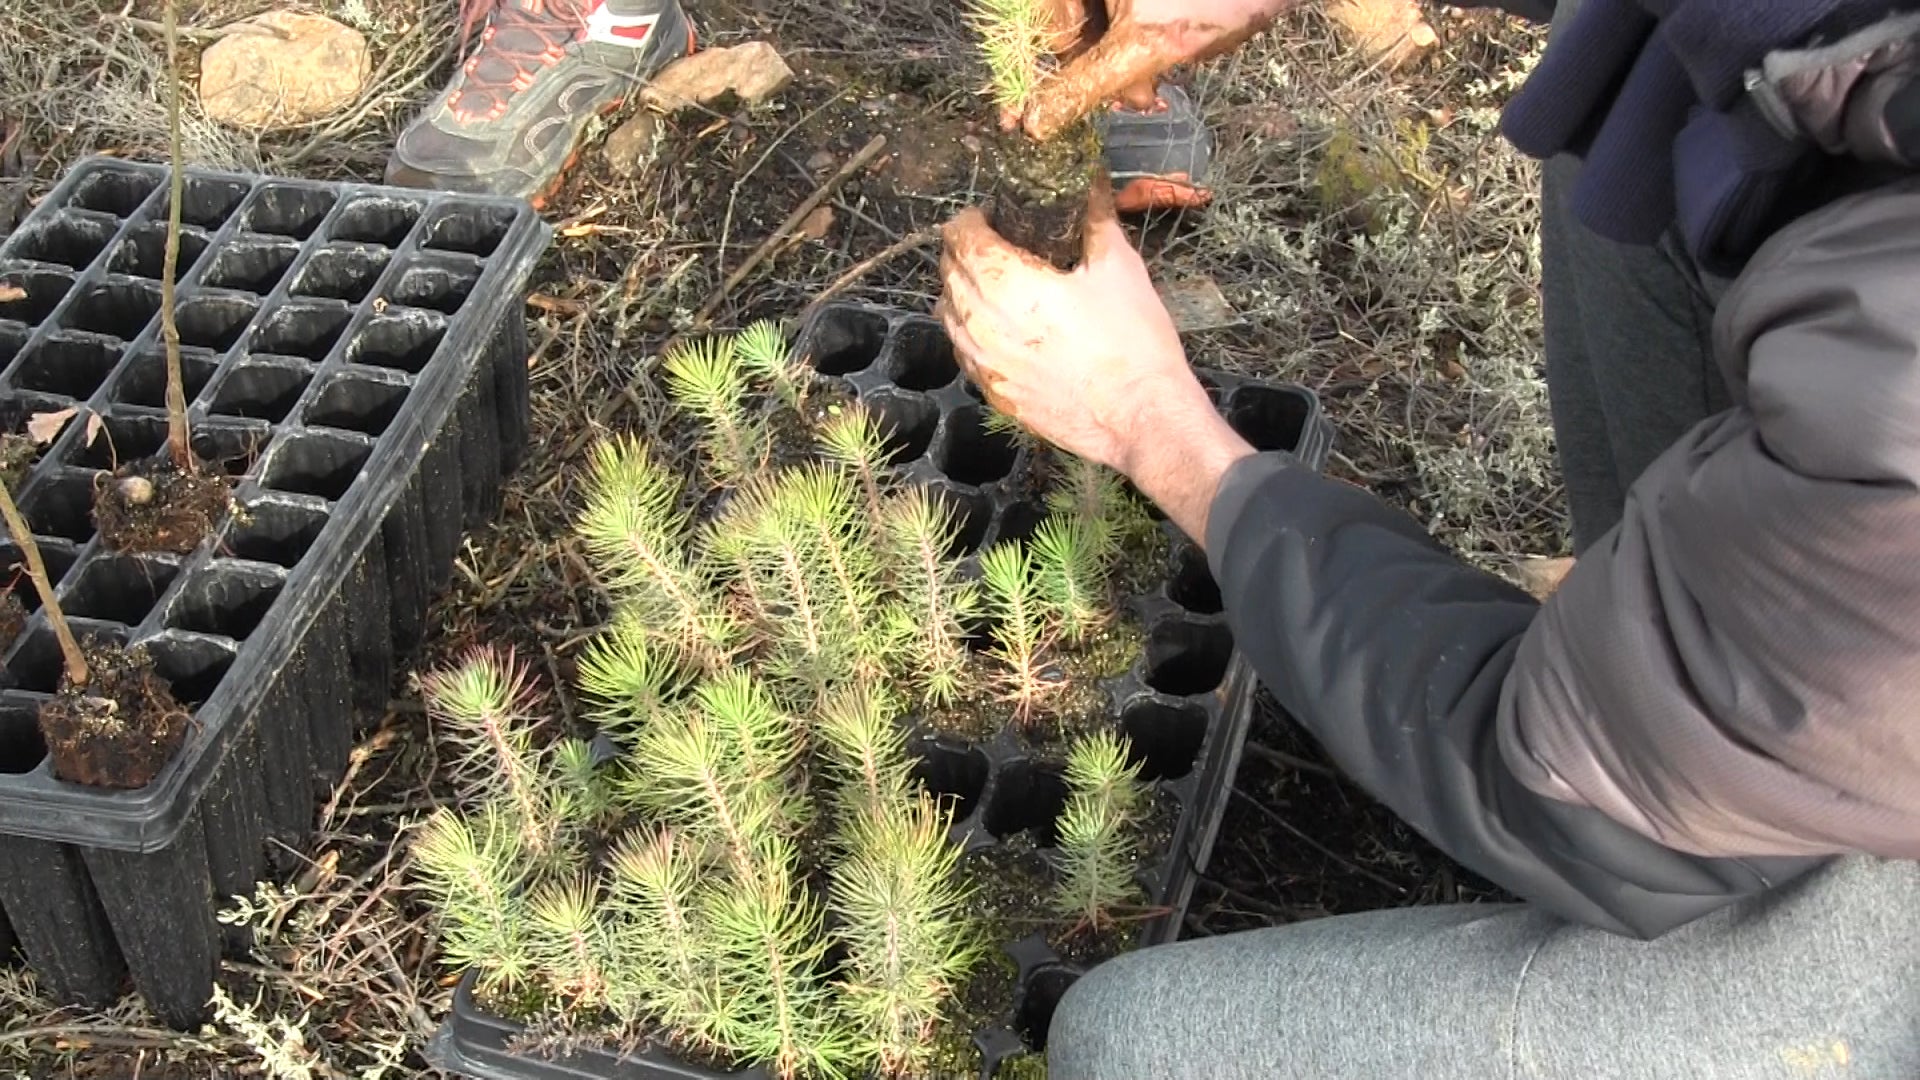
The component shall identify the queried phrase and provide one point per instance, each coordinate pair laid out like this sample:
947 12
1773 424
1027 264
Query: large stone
751 72
282 68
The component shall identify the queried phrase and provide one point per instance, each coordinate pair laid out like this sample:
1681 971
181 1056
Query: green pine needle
630 675
706 378
852 439
1013 41
1095 841
665 958
475 873
569 942
763 352
866 748
1070 563
1021 628
917 531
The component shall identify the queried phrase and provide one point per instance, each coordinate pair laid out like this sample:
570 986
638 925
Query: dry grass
1393 271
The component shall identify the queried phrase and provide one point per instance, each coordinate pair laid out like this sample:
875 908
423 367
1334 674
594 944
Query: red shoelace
521 38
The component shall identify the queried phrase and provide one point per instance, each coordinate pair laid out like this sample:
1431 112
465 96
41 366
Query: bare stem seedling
77 674
179 438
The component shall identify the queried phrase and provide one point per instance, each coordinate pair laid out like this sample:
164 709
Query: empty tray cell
227 599
955 775
1029 799
476 230
207 202
357 403
144 380
312 463
341 273
972 512
1191 583
250 263
403 340
1020 520
233 445
57 558
13 338
286 210
1268 417
376 219
44 290
1185 657
302 329
21 747
1041 995
61 505
1163 737
213 322
118 308
922 357
143 251
114 190
68 237
118 588
36 662
121 438
847 340
971 453
275 531
440 284
264 391
906 422
71 364
191 664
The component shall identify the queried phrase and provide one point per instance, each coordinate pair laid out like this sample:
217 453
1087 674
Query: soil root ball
151 506
119 730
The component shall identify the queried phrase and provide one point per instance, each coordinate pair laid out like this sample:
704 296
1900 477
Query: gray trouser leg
1819 979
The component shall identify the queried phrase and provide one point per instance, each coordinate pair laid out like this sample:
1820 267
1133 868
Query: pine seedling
769 938
900 910
1014 38
917 531
569 944
474 873
1069 562
636 531
582 796
824 508
763 352
664 966
630 676
1092 493
854 440
1021 628
1095 842
865 749
706 378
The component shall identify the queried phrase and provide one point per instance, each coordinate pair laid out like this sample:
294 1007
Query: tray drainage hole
121 439
847 340
192 666
287 210
207 202
276 533
476 230
377 220
36 665
442 288
404 342
357 405
922 357
1186 658
113 191
304 330
1192 585
906 421
340 274
1029 799
118 589
58 559
972 512
143 252
1164 738
144 382
21 747
228 604
213 322
1038 1000
972 454
44 288
119 308
1267 417
955 775
260 392
62 508
316 465
251 266
72 366
67 239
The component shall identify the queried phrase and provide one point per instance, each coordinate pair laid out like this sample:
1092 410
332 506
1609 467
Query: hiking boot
1157 158
511 121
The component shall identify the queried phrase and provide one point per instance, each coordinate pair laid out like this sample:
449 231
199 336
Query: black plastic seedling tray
1184 705
355 357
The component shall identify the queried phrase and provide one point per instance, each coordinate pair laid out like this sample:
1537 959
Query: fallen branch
914 240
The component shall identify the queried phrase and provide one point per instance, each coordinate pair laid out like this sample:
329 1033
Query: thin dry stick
913 240
179 438
77 672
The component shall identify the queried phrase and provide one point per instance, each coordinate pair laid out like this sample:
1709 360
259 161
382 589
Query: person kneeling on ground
1698 763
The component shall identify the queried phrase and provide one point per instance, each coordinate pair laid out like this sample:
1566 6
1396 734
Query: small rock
282 68
972 144
629 147
815 225
821 162
751 72
1542 577
136 490
1197 304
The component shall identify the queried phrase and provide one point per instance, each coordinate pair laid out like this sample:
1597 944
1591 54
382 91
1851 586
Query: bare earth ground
1374 235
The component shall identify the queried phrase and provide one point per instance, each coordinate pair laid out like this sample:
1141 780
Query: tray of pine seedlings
899 720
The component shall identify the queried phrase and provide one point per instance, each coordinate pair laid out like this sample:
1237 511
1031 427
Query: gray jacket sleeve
1724 690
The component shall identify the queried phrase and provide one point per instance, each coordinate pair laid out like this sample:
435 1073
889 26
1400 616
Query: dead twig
912 241
1269 813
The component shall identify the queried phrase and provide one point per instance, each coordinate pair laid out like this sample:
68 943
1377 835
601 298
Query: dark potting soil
151 505
1040 198
118 731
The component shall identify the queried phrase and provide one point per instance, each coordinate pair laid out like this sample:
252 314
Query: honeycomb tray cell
1184 704
354 358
